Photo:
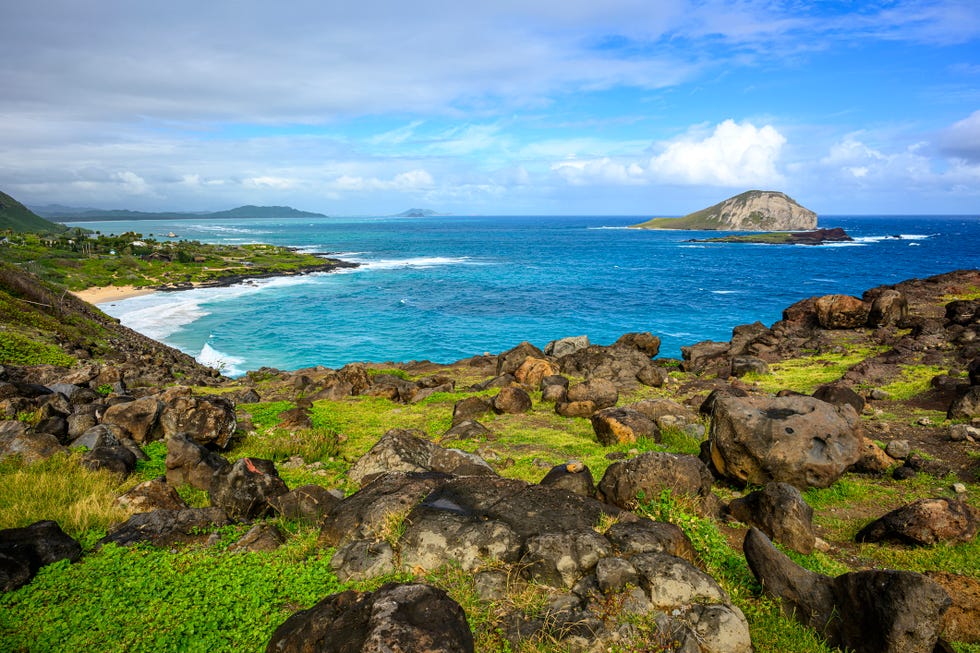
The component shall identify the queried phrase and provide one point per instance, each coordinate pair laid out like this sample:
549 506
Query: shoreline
104 294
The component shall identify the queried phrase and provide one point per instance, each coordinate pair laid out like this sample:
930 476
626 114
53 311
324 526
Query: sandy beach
103 294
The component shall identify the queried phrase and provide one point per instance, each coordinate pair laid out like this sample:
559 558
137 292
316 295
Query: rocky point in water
754 210
815 237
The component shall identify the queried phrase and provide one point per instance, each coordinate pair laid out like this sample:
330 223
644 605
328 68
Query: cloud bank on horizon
532 107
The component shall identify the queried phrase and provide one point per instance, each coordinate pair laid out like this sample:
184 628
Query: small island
815 237
754 210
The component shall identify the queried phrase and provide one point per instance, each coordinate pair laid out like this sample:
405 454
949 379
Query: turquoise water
450 287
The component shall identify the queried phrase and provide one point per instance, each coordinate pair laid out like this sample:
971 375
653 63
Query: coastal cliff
754 210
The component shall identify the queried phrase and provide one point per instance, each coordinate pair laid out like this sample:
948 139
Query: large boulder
644 342
245 489
702 355
16 439
208 420
651 473
797 440
925 522
510 360
436 535
560 559
624 365
877 611
841 312
573 476
154 494
23 551
533 370
471 408
511 400
888 307
392 618
402 450
614 426
139 418
779 511
601 392
190 463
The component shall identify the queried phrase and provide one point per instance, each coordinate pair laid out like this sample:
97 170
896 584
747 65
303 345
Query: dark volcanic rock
393 618
191 463
699 356
511 400
139 418
510 360
602 393
925 522
307 503
572 476
117 459
632 536
208 420
402 450
798 440
841 312
154 494
437 533
17 440
245 489
25 550
867 611
779 511
651 473
471 408
163 528
560 559
966 406
839 395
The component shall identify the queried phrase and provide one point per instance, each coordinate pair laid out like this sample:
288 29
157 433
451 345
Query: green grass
148 599
915 380
808 373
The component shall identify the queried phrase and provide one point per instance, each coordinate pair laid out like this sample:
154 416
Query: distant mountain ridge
17 217
754 210
418 213
248 212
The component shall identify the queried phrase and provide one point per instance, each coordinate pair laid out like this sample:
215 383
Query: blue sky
534 107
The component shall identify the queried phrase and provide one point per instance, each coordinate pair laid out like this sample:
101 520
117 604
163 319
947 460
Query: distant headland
249 212
754 210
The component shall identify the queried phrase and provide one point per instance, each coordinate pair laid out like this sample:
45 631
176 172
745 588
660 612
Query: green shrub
16 349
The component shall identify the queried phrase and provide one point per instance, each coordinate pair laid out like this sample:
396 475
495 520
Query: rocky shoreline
329 265
815 237
610 571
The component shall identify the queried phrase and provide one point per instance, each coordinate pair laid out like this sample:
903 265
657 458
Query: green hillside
14 216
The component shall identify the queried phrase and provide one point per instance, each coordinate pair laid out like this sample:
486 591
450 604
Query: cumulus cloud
733 155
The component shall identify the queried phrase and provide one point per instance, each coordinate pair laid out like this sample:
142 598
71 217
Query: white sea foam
606 227
159 315
417 262
725 292
227 364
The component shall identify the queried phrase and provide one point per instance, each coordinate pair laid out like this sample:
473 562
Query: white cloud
405 181
278 183
733 155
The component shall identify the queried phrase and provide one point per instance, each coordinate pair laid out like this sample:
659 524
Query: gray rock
632 536
117 459
898 449
140 418
363 559
261 537
614 574
718 627
566 346
435 537
962 432
671 581
797 440
398 450
466 430
966 406
410 617
560 559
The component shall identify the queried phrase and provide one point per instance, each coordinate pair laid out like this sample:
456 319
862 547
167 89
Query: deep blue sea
445 288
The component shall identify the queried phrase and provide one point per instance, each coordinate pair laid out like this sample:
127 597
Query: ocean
446 288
